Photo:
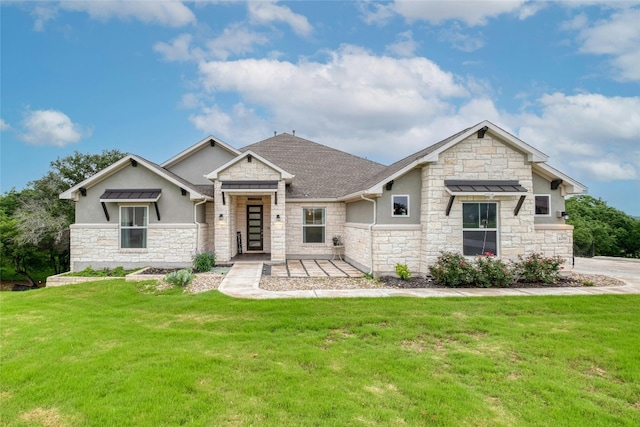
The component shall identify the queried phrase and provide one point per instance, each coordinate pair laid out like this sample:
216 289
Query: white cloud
617 37
168 12
50 127
266 12
607 170
354 98
179 49
405 45
470 12
43 14
236 40
4 125
460 40
596 135
376 13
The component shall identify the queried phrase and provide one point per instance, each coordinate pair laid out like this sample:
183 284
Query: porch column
278 226
222 222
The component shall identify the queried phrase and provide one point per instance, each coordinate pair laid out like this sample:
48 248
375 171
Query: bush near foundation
538 268
454 270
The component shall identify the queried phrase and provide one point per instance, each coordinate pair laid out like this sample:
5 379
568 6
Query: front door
254 228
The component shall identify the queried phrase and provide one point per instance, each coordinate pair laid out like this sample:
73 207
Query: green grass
109 353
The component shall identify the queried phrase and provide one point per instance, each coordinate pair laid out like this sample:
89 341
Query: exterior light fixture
564 215
278 217
221 217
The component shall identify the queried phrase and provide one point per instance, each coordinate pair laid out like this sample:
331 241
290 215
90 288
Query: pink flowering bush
452 270
536 268
490 271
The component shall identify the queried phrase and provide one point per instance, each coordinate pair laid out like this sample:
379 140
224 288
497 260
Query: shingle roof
320 171
401 164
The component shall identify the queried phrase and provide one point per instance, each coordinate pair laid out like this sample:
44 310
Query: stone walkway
243 281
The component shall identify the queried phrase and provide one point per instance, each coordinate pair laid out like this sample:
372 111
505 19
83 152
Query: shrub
452 270
105 272
491 271
537 268
403 271
180 278
204 261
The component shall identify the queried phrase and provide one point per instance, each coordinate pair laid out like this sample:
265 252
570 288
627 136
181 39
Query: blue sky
378 79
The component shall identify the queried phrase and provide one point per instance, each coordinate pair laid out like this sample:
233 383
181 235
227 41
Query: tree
37 222
602 229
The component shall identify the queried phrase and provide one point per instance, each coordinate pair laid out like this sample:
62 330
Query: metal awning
484 187
250 185
131 195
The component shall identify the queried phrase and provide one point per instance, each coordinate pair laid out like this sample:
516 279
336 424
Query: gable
245 170
200 162
173 204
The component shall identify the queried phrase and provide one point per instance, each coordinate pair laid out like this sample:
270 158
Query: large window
400 206
313 225
543 204
133 227
479 228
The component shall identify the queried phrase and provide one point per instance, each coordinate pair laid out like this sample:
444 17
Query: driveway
625 269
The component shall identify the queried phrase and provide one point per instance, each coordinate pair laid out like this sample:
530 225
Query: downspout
375 210
195 220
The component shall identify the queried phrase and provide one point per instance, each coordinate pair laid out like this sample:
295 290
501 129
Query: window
400 205
543 204
479 228
313 225
133 227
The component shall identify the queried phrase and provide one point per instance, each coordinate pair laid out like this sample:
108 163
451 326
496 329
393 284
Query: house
480 190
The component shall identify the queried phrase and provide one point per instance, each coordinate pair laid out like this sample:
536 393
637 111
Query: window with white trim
542 204
133 227
313 225
480 228
400 205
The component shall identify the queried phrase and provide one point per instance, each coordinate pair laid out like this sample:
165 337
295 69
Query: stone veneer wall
357 245
335 217
97 245
475 158
396 244
553 240
244 170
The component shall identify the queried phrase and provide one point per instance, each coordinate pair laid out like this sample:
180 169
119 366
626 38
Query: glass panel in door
254 228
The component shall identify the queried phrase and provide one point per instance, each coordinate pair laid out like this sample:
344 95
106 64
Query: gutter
375 206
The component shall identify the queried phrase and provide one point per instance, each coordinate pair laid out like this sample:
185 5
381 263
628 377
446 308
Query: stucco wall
409 185
542 186
173 206
201 162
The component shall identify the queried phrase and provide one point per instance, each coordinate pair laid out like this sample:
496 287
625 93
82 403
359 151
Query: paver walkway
243 281
315 268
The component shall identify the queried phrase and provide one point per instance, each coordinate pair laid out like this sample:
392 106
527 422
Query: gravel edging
270 283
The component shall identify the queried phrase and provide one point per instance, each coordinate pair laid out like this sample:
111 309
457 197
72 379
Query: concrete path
243 281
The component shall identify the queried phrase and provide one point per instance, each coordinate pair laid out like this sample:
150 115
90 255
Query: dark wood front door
254 228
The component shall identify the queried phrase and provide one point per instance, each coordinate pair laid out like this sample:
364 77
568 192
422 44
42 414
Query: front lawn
112 353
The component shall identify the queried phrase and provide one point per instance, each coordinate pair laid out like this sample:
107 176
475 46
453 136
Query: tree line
601 230
34 222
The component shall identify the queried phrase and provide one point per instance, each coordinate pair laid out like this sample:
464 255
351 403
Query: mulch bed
428 282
